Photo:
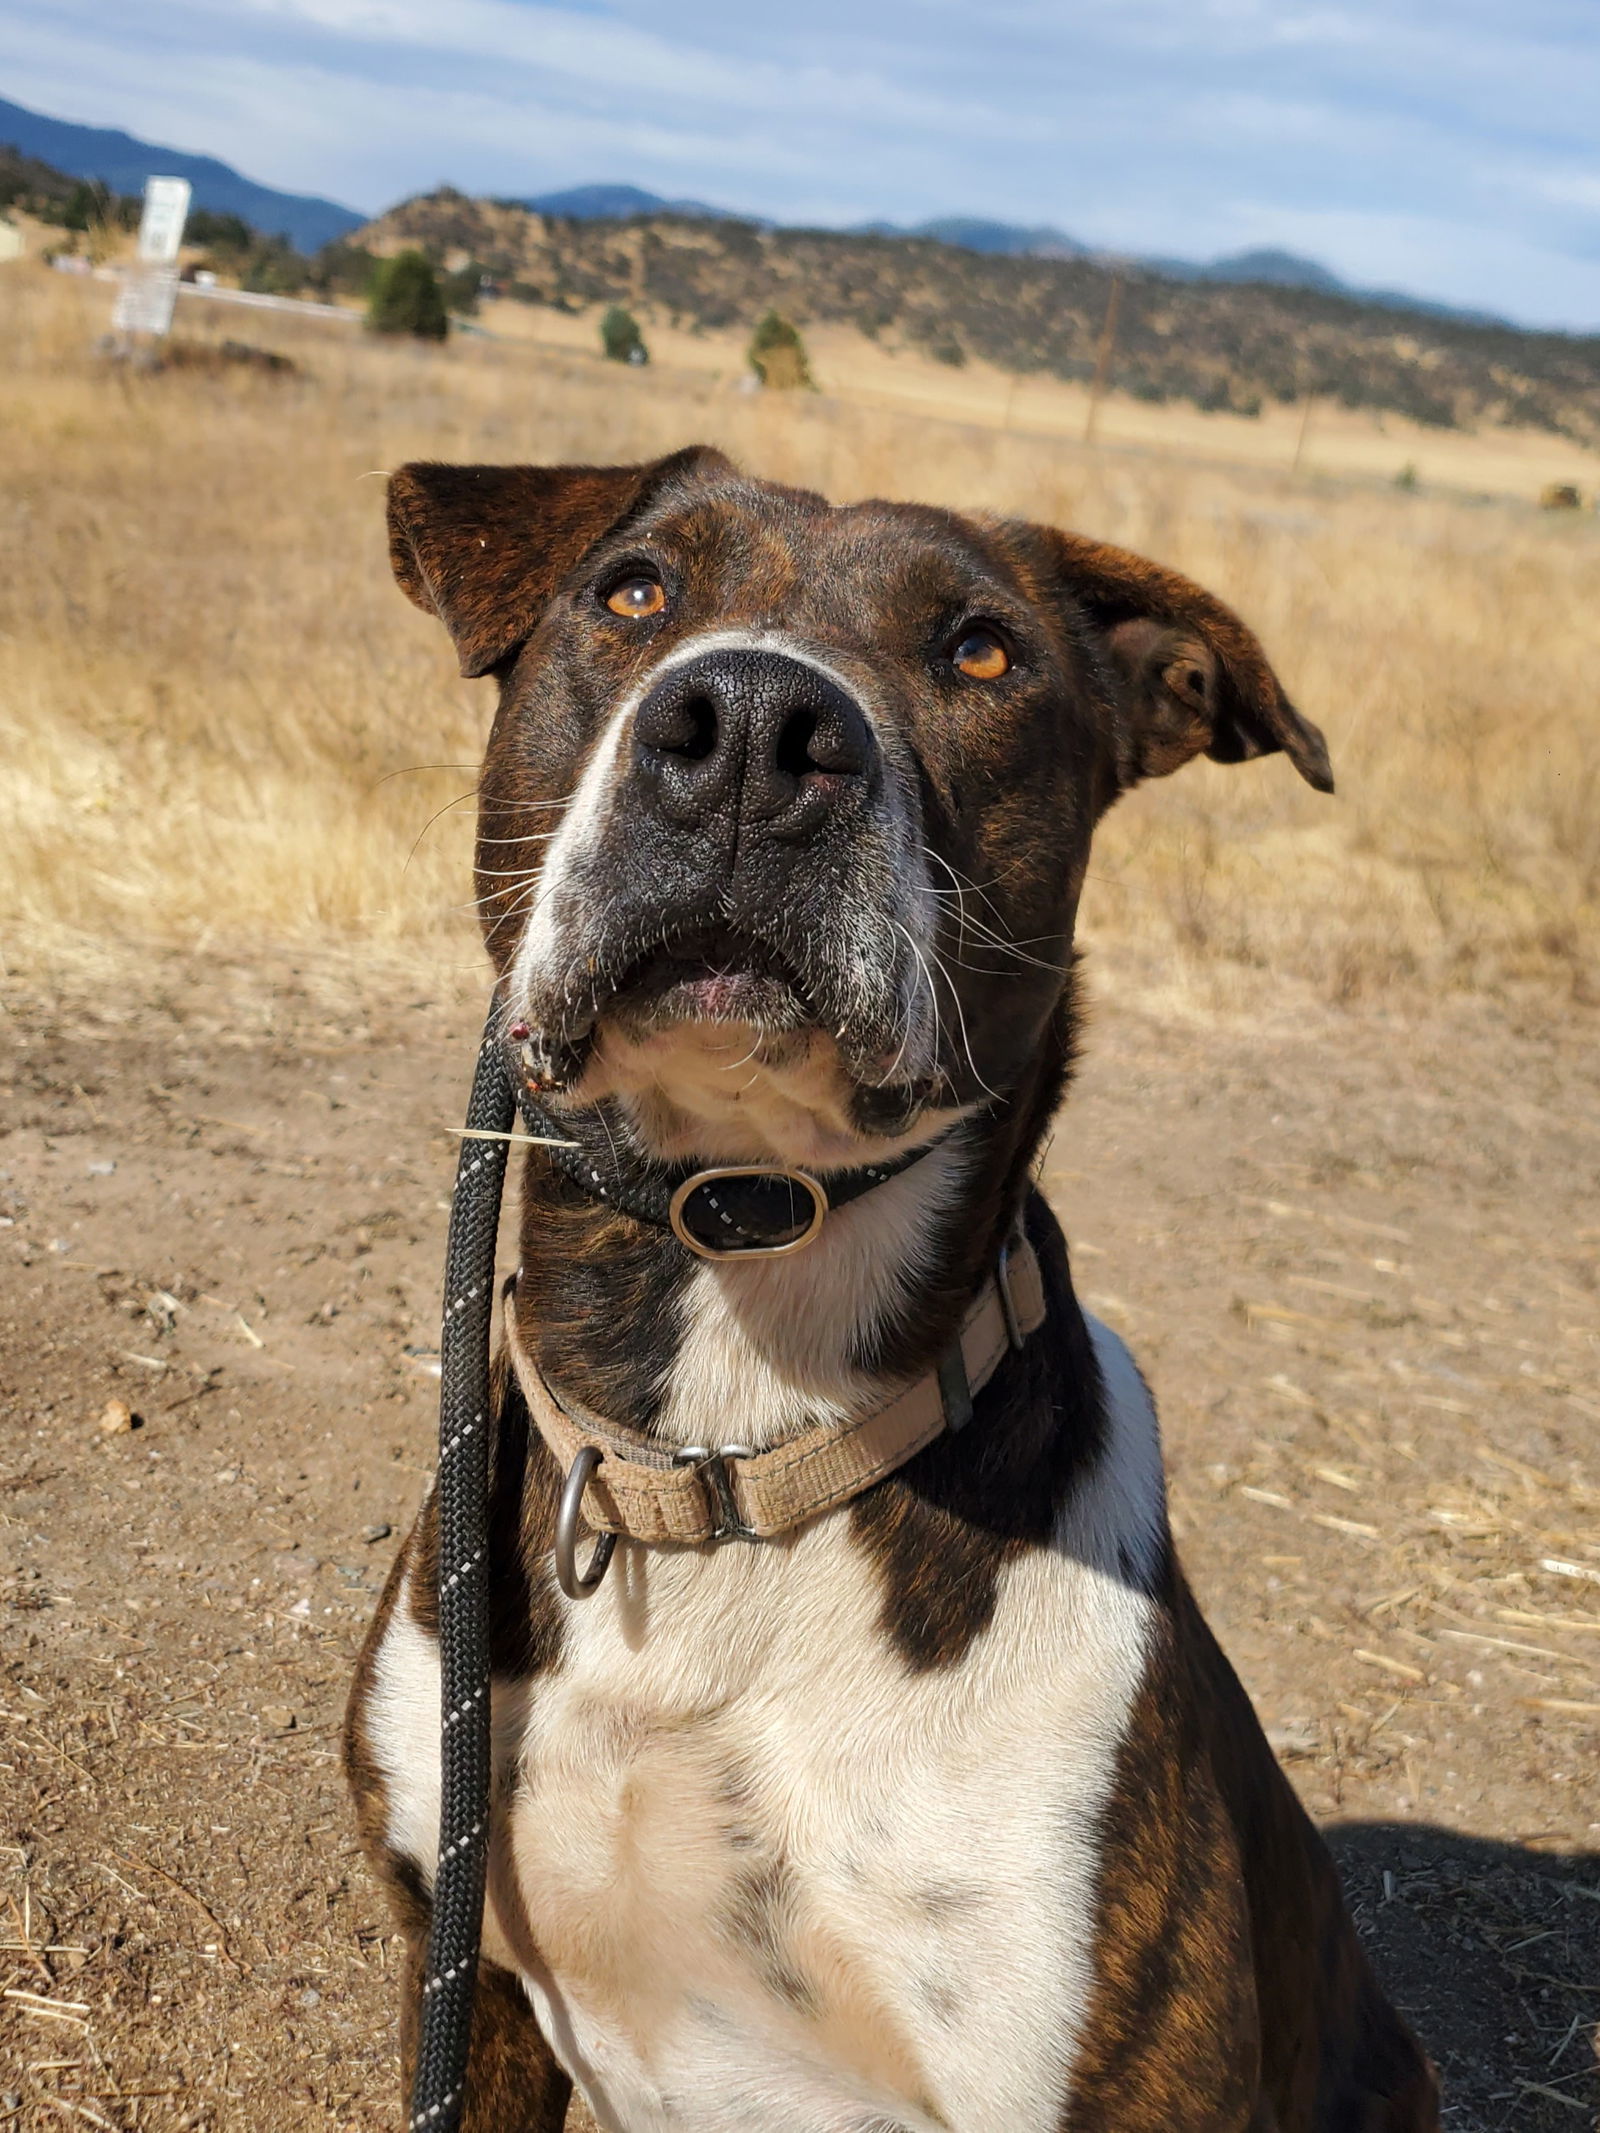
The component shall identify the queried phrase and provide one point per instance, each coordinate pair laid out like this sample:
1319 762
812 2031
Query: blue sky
1451 147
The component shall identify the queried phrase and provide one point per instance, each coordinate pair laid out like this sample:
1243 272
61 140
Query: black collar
753 1210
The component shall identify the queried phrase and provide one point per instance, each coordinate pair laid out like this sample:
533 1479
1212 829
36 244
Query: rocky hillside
1217 345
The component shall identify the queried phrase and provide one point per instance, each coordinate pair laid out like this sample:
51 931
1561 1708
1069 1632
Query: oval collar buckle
709 1223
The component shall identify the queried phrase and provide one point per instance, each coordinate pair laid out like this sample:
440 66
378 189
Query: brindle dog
942 1813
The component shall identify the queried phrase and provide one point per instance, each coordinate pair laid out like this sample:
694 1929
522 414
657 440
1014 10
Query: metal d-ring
576 1584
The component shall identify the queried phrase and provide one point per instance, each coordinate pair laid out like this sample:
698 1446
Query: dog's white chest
761 1875
757 1873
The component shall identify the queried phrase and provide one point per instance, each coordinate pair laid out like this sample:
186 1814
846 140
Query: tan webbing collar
645 1491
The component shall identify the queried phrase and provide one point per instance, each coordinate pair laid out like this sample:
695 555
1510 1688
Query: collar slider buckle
712 1467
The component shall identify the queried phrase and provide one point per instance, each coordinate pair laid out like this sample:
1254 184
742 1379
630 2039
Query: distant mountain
1004 240
1276 269
123 163
1015 240
1288 270
1265 266
614 203
617 203
971 233
1280 270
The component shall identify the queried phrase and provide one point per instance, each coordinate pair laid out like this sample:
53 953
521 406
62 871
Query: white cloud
1568 188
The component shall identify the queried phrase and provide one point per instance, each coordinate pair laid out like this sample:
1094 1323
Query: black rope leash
438 2088
461 1494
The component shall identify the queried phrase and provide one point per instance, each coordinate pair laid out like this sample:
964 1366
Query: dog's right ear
1191 678
483 548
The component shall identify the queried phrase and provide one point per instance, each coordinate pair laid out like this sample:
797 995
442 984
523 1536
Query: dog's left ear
485 547
1192 679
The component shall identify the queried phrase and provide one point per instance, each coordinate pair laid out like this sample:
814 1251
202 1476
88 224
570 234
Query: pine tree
406 298
620 337
778 355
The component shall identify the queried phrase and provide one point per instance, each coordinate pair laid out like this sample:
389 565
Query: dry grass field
1330 439
1331 1164
209 679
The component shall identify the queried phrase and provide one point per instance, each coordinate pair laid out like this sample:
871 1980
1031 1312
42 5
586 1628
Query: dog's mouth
744 1032
722 1045
714 974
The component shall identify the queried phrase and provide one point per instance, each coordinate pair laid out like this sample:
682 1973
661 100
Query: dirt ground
1355 1252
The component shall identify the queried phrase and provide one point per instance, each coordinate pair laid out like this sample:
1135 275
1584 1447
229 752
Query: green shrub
218 233
406 298
272 267
620 337
462 289
85 205
341 269
778 355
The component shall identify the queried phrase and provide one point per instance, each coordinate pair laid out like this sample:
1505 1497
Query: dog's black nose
755 734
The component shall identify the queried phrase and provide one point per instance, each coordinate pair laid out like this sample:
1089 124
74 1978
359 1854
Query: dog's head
786 809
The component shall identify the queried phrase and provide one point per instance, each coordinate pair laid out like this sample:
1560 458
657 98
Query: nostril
812 739
699 717
794 755
687 728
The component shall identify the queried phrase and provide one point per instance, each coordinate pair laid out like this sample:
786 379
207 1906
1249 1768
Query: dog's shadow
1493 1953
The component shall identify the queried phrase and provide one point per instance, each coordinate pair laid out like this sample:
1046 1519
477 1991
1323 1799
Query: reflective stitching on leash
461 1496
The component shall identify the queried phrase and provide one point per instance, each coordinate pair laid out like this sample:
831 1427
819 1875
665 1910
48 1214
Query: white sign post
166 210
147 295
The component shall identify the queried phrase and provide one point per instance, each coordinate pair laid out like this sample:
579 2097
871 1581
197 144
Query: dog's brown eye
981 656
636 597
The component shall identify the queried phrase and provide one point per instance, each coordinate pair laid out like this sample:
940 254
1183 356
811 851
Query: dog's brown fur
1230 1993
